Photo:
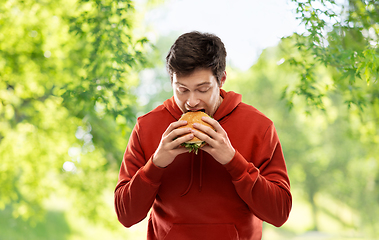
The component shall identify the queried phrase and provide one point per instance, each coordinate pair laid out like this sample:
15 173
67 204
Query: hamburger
195 143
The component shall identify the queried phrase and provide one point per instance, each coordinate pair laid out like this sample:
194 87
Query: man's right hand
169 147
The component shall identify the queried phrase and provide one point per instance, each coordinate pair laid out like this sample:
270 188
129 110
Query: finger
204 137
205 129
208 149
214 123
180 151
173 126
176 133
178 141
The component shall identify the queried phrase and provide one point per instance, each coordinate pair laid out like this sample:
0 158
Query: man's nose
192 100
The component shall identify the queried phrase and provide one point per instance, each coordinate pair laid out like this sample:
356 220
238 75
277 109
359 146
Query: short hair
196 50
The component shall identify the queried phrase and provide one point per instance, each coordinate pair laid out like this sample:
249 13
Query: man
235 182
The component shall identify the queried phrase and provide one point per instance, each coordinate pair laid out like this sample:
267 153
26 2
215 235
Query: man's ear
223 79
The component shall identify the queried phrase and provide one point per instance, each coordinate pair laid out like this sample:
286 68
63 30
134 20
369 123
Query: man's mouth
196 110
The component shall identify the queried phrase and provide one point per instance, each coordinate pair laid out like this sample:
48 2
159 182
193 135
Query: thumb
179 151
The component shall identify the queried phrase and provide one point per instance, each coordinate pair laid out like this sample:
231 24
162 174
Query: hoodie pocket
203 232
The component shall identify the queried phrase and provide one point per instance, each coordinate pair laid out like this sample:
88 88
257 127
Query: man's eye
203 90
182 89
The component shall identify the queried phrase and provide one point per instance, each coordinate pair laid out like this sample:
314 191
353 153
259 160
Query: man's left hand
218 143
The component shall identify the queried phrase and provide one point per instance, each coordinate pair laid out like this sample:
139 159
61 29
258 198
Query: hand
169 147
219 145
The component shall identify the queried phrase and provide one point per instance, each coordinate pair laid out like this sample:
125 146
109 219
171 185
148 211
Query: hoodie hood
229 103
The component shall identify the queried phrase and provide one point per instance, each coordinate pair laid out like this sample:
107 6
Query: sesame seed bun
194 117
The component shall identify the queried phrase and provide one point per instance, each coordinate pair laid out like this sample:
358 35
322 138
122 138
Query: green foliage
66 108
104 32
329 151
344 39
155 85
54 226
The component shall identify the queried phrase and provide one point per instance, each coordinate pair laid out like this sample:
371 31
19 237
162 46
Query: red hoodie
196 197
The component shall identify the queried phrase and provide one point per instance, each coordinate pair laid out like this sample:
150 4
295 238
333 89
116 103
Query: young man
235 182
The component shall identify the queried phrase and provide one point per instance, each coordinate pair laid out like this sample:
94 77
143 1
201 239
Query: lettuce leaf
192 147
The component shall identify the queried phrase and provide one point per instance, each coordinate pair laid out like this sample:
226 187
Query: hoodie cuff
237 167
152 173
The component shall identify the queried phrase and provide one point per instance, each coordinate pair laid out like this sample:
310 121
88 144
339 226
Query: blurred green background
75 74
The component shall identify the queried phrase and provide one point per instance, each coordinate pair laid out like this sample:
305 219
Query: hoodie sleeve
265 189
138 183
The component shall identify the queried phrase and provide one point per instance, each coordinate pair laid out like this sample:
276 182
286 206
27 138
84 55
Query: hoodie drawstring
201 171
191 180
192 173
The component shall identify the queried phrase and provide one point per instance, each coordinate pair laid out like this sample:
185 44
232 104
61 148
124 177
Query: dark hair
195 50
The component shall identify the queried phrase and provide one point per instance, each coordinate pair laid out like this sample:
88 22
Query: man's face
197 91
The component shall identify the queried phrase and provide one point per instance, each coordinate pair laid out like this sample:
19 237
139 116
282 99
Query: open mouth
199 110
